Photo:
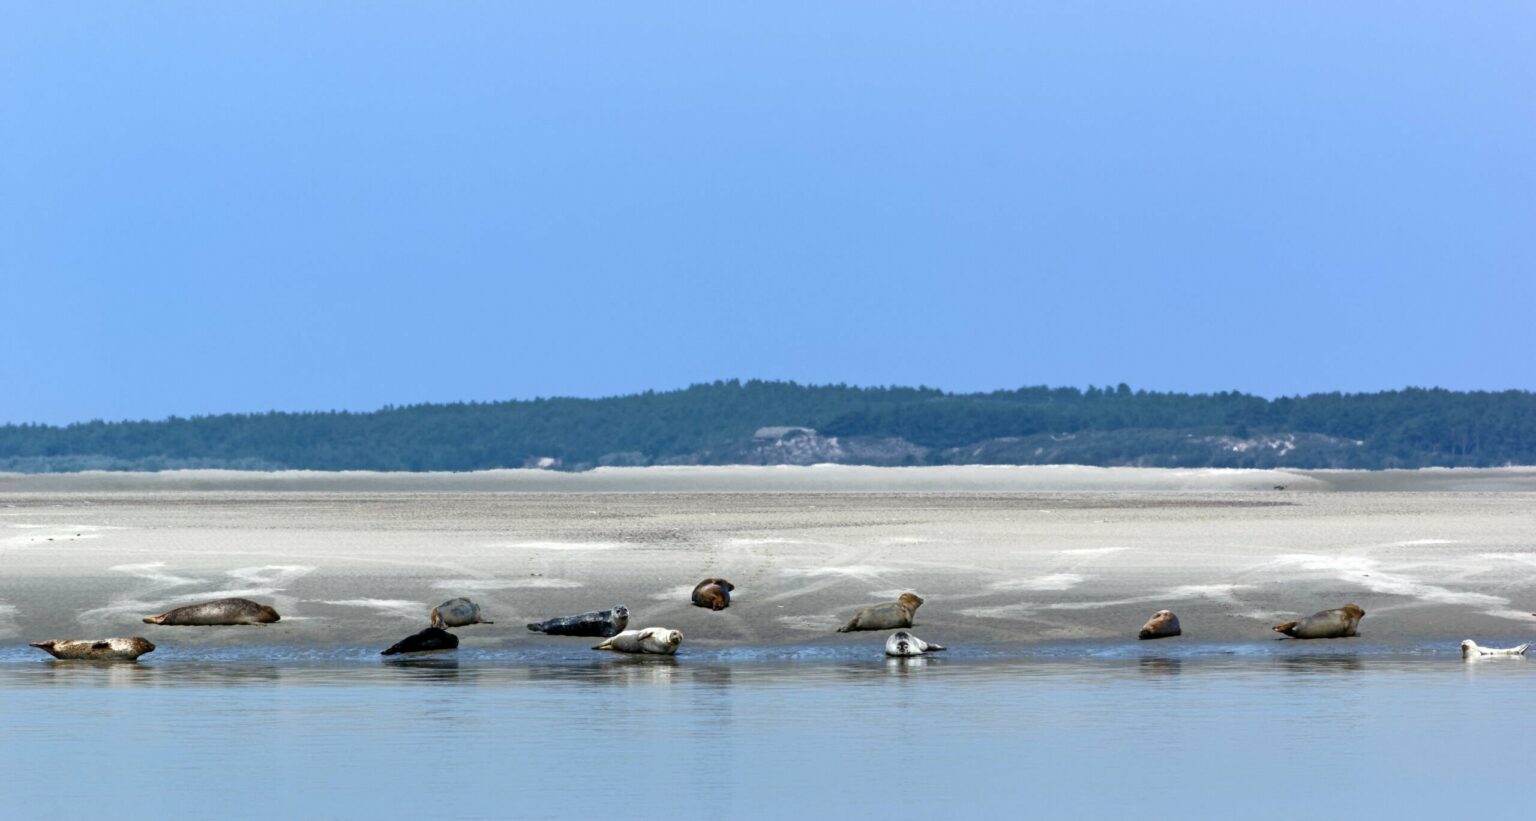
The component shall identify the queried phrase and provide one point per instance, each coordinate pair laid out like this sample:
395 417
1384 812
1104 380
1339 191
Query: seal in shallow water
655 640
1471 650
220 612
96 649
599 623
1163 624
459 612
1341 622
905 645
888 616
713 593
427 641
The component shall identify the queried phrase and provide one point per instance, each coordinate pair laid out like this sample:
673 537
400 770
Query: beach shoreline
1003 556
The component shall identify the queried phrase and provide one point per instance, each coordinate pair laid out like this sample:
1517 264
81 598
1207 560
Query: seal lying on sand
713 593
905 645
1162 625
458 612
223 611
428 640
96 650
657 640
1338 623
601 623
888 616
1471 649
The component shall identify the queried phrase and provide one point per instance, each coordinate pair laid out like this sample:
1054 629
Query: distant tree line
712 423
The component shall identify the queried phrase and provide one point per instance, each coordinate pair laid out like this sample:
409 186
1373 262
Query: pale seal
713 593
888 616
1471 650
905 645
220 612
96 649
460 612
599 623
1341 622
1163 624
654 640
427 641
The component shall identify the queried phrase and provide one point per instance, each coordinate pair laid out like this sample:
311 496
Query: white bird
1471 650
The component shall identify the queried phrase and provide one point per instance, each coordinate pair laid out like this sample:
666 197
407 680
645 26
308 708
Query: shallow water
1270 730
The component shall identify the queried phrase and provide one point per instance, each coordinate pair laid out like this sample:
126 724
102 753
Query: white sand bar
1002 554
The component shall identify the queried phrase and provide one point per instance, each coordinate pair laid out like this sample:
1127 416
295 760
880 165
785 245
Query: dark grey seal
600 623
220 612
427 641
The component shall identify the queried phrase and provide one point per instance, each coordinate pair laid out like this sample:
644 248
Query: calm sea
1283 730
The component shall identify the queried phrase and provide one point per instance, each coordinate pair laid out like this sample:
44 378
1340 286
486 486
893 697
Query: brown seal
713 593
1338 623
220 612
96 649
888 616
1163 624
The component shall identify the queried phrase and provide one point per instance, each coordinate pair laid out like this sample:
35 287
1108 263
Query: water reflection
1159 666
1322 663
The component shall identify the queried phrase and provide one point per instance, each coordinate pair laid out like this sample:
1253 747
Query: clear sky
210 207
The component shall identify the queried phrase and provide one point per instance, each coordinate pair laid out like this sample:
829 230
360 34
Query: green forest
723 423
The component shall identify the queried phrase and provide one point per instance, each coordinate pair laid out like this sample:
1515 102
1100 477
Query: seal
653 640
427 641
905 645
96 649
220 612
1472 650
1341 622
1163 624
599 623
713 593
460 612
888 616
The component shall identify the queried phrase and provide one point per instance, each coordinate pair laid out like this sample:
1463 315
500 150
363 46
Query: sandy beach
1002 555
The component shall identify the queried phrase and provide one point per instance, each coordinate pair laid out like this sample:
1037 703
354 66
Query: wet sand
1002 555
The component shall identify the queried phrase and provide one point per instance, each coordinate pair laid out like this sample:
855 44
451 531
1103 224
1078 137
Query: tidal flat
1035 578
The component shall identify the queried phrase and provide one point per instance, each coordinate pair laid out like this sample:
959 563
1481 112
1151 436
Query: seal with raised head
460 612
1163 624
96 649
220 612
598 623
1338 623
427 641
888 616
659 641
1472 650
905 645
713 593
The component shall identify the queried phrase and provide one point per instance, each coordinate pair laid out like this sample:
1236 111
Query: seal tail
154 619
1519 651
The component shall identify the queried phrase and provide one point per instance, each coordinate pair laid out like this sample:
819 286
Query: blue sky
242 207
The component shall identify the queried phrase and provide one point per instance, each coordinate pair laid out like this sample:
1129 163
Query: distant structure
782 432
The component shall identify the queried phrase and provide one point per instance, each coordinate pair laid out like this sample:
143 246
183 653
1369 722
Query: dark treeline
715 423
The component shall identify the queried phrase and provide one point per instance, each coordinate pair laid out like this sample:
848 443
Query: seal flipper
1289 628
932 647
536 627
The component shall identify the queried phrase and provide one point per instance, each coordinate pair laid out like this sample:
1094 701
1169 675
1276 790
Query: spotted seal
1163 624
888 616
713 593
598 623
96 649
905 645
427 641
1341 622
460 612
654 640
220 612
1471 650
